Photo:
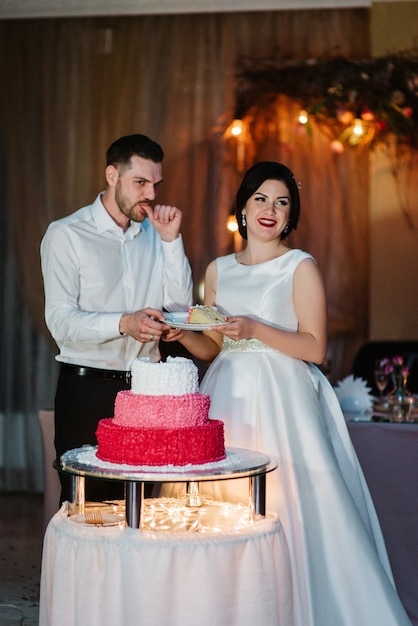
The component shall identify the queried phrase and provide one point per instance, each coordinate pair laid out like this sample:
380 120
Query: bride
272 398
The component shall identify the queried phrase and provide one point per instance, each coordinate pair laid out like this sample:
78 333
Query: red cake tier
194 445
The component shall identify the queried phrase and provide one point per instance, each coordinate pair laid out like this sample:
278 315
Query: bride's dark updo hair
254 178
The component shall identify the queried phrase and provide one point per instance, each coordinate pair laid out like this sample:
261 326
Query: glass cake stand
239 463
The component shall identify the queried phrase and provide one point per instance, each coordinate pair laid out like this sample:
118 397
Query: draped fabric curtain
72 86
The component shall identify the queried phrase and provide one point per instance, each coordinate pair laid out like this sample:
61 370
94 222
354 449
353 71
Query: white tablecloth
125 577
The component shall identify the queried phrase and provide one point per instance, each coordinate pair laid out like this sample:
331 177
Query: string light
358 127
303 117
236 128
359 132
231 224
201 290
237 132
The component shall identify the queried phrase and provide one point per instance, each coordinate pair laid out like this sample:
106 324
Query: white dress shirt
94 272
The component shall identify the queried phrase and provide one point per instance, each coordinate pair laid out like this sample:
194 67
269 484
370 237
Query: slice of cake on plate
201 314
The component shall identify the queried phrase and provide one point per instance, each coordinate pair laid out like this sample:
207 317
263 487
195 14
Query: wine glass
381 377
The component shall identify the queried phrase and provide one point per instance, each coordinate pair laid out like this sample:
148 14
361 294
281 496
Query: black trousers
80 402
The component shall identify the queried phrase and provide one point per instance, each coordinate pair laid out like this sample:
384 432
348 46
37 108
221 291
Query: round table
96 576
239 463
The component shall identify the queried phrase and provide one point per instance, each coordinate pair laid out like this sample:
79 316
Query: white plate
178 320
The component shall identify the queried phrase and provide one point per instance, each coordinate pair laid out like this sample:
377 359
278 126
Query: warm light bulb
232 225
358 127
236 128
303 117
201 290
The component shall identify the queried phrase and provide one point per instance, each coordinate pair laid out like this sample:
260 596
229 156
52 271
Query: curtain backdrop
72 86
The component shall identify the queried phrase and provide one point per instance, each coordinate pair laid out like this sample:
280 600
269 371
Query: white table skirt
125 577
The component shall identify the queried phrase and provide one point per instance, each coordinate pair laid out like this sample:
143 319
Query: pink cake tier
194 445
143 411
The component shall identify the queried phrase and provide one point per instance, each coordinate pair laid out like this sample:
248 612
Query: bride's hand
238 327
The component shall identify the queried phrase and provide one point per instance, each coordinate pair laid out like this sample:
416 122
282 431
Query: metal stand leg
134 500
258 494
77 493
193 496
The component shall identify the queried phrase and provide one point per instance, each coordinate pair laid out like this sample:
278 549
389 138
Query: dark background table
388 454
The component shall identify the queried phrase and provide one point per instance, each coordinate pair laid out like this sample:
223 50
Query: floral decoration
395 367
380 94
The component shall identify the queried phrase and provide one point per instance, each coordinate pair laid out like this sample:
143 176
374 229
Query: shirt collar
104 222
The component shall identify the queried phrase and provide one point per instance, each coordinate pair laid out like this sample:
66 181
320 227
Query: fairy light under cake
162 419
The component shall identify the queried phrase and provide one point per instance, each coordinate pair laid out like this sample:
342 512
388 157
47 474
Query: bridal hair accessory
243 220
297 183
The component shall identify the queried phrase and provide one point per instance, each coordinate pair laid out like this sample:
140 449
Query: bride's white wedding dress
285 407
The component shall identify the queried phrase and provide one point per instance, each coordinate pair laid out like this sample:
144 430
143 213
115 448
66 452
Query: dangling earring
286 229
243 220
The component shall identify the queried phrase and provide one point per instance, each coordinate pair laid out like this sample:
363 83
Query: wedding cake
162 419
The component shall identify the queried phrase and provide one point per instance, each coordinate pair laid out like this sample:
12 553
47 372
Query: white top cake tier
175 377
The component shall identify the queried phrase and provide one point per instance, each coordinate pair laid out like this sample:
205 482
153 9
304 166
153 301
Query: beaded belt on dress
245 345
